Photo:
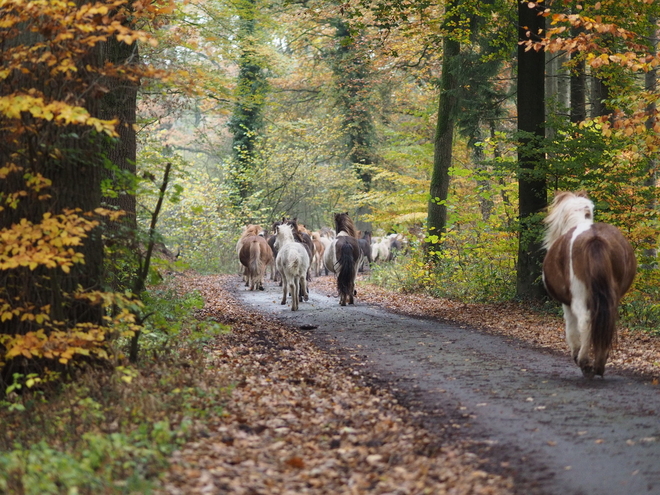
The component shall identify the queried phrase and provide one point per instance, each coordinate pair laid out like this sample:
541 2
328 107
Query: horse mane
250 229
567 210
286 231
295 230
344 223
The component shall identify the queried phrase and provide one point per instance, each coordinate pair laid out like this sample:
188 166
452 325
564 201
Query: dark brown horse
365 246
588 268
343 257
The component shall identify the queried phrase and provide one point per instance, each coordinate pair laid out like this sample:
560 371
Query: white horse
588 268
380 249
292 262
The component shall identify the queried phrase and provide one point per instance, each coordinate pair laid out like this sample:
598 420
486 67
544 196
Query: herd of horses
588 268
294 254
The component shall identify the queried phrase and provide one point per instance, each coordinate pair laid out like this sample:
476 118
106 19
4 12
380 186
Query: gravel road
528 412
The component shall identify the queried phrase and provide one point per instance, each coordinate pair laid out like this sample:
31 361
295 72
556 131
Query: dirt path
528 410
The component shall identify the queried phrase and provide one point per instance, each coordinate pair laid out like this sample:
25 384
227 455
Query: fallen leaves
297 422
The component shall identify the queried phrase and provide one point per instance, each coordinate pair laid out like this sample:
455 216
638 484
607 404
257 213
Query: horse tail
345 280
255 259
602 300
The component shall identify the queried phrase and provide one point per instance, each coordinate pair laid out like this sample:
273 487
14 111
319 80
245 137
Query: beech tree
53 151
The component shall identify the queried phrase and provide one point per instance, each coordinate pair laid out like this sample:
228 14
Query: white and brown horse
343 257
255 255
588 268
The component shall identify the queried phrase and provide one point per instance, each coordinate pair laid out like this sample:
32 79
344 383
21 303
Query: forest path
527 410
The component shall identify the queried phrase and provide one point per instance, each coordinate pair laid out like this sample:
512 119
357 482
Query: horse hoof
261 287
588 371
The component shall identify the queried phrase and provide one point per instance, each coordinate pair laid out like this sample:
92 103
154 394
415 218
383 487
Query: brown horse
343 257
248 230
319 250
588 268
255 255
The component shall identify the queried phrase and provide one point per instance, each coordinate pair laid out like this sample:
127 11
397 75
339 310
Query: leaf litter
297 422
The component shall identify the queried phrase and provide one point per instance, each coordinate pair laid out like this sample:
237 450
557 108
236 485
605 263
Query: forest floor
300 420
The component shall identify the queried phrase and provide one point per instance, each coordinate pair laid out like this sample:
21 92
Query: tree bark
578 86
444 137
532 188
121 103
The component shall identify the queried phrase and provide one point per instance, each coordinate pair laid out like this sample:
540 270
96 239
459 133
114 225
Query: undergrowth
111 431
466 275
463 274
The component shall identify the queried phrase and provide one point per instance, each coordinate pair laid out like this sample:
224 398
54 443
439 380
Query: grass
111 429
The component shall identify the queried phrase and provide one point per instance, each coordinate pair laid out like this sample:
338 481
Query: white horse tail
603 299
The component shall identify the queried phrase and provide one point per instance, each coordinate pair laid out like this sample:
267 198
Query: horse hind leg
304 292
572 332
293 285
285 289
584 329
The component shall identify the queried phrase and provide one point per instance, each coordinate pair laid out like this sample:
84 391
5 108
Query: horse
380 249
588 268
248 230
274 276
301 235
326 236
365 247
397 243
343 257
255 255
292 262
319 250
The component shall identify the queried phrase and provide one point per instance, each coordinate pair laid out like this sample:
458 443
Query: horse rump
348 254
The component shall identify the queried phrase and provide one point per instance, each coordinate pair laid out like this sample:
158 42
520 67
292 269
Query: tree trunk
351 72
532 186
578 86
251 88
651 85
121 103
600 93
444 137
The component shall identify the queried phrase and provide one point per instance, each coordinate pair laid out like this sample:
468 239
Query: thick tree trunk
578 86
651 85
444 140
121 103
532 186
